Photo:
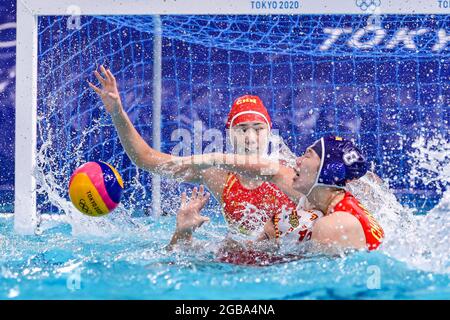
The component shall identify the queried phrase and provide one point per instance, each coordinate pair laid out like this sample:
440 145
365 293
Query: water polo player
321 174
247 203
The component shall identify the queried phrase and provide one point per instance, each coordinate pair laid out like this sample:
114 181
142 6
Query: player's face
250 137
306 171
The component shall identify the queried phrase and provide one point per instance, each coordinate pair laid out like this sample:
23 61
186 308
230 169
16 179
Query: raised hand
108 92
188 217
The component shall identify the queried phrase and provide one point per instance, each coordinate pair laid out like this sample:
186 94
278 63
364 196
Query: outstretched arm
135 146
250 166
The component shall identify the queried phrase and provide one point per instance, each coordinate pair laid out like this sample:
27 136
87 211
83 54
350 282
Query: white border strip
222 7
156 110
25 218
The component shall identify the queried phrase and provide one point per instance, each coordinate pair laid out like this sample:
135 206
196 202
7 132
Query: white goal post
28 11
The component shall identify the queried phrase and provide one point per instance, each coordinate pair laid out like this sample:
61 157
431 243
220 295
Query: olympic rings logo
368 4
83 206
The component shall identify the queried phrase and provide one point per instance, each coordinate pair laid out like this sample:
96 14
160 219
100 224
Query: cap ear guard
333 173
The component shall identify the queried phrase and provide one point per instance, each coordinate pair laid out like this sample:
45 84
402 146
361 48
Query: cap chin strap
249 112
322 157
316 183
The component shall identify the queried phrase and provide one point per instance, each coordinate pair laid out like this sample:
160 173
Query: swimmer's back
349 225
373 232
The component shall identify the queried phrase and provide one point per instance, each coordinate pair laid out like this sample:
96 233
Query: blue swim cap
340 161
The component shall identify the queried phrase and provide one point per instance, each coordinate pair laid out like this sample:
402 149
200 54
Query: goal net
382 80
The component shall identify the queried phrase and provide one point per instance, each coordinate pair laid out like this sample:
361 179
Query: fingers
200 194
104 73
206 198
110 75
205 219
194 193
105 76
97 90
99 78
202 221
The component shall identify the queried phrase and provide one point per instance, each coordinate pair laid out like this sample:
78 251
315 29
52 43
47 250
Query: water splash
421 241
431 159
62 147
279 150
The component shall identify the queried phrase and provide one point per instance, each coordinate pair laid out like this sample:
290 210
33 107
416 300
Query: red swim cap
248 108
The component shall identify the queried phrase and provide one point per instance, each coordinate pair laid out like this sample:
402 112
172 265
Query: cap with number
340 161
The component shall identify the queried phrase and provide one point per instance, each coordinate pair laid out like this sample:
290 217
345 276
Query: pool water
124 258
